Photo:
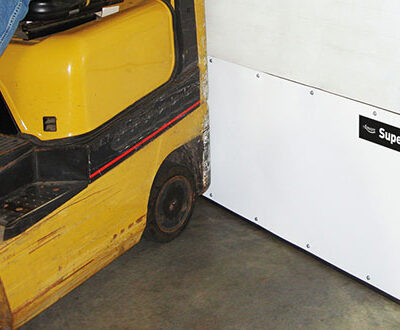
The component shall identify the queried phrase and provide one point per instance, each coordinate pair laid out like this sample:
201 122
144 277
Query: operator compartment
71 69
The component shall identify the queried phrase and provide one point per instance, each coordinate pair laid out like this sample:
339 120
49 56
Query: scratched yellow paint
202 46
60 252
90 230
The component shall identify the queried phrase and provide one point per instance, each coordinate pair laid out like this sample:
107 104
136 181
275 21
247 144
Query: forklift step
27 205
34 181
16 164
12 148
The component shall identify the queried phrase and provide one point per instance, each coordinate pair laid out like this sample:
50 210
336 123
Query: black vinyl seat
52 9
47 10
46 17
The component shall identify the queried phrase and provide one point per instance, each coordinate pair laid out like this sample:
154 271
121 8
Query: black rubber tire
171 203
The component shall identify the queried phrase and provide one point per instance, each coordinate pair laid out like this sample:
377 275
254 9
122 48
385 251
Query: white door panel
296 163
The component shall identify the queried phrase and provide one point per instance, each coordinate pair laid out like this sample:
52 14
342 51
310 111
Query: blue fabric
11 13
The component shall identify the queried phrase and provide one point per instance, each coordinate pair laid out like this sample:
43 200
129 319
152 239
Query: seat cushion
52 9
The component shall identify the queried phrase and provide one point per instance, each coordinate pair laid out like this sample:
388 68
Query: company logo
370 130
380 133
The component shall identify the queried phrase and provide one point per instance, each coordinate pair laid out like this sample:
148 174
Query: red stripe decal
126 153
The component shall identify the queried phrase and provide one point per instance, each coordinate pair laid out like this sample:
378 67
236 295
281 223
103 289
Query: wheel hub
173 204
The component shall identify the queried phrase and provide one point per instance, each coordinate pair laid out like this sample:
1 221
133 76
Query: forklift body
103 119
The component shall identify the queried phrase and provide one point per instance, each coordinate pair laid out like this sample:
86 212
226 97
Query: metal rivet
311 92
211 195
256 219
308 246
368 278
258 75
375 113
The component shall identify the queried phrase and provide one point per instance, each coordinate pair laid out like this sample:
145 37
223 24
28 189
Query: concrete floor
222 273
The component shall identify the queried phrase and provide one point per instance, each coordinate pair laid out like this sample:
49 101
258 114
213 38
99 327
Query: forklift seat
47 10
52 9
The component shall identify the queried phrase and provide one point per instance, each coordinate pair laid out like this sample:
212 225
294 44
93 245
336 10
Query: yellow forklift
103 137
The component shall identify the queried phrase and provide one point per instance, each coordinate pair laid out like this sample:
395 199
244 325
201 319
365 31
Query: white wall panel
351 48
295 162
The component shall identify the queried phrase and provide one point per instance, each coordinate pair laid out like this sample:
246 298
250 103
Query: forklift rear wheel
171 203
